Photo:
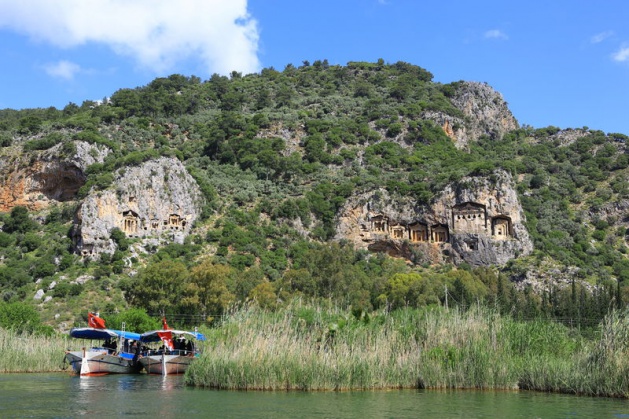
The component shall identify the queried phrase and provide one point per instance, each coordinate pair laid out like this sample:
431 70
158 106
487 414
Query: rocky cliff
34 179
478 220
157 199
484 111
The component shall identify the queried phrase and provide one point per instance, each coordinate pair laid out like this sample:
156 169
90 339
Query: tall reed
31 353
599 367
312 348
315 348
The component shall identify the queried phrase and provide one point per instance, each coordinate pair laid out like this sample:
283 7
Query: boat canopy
93 333
157 335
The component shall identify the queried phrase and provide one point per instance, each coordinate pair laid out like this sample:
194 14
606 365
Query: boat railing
181 352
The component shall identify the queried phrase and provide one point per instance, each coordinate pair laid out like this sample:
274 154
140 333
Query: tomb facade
398 232
135 226
501 228
130 221
469 217
418 232
439 233
379 224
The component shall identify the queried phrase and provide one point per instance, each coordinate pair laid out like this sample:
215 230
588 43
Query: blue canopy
154 335
92 333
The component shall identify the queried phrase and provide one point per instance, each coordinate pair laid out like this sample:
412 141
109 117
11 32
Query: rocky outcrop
157 199
568 136
478 220
484 110
547 276
56 174
615 213
78 153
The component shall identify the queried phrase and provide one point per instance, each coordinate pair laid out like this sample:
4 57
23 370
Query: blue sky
556 62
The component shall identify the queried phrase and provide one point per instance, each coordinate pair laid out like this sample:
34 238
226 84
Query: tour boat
117 355
178 350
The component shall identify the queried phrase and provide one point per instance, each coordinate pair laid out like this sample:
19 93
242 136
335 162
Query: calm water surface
65 396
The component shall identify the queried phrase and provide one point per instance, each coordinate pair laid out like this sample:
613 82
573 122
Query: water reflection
121 395
63 395
170 383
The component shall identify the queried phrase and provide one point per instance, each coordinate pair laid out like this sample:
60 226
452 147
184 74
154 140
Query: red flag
94 321
164 324
167 338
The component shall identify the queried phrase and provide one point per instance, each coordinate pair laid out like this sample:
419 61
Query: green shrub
19 317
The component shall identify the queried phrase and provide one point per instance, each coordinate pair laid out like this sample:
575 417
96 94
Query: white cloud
621 55
600 37
496 34
62 69
156 33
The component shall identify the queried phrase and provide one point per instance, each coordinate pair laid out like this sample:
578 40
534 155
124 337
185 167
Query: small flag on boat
167 338
94 321
164 324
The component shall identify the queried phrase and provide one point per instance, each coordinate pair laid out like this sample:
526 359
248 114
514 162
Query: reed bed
314 348
31 353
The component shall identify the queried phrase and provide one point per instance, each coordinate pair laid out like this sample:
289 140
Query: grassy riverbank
312 348
24 352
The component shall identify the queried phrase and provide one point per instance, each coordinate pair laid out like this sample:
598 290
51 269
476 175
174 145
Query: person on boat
189 348
110 345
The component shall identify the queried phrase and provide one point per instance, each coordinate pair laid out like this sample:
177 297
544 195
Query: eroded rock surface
156 199
485 113
56 174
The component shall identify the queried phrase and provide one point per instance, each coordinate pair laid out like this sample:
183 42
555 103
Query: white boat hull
166 364
99 362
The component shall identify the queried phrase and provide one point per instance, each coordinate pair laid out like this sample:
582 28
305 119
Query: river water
65 396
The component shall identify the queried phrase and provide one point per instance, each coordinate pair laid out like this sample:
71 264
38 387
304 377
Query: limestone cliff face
478 220
485 113
157 199
33 180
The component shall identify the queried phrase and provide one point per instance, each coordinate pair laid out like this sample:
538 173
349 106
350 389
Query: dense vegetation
323 348
359 127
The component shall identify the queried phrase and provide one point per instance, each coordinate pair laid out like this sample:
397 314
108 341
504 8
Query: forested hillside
276 157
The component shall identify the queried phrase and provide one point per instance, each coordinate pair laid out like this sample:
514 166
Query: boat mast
122 336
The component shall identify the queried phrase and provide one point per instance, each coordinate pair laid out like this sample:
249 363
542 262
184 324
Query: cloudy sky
556 62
